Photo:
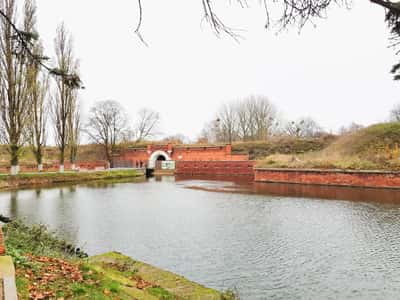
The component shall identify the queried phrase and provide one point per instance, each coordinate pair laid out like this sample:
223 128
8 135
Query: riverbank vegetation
50 268
376 147
43 179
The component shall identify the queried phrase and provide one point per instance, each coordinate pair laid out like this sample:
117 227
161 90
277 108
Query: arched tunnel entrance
156 158
159 161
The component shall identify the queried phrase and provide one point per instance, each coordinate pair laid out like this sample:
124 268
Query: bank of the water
350 178
48 268
27 180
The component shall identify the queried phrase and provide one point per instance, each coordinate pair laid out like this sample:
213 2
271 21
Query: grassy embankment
47 179
376 147
49 268
284 145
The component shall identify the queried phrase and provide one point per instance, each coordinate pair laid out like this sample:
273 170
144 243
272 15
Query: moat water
268 241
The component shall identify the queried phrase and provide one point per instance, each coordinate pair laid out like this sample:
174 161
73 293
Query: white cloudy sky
336 72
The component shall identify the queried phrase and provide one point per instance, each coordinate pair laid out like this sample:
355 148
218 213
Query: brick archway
155 156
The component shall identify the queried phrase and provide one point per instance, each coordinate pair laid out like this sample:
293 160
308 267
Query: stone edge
7 273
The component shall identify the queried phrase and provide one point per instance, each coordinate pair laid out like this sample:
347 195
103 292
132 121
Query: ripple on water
267 245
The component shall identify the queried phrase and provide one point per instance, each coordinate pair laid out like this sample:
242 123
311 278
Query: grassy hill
282 145
376 147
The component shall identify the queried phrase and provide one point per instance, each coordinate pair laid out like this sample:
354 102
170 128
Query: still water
268 241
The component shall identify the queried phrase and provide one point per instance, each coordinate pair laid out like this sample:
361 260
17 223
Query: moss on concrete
164 284
46 265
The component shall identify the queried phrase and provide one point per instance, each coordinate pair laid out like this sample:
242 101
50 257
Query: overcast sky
336 73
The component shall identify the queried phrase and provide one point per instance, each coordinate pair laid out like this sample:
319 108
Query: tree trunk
39 160
14 160
62 159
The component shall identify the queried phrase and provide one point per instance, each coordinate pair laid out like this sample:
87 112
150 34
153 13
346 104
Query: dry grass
372 148
282 145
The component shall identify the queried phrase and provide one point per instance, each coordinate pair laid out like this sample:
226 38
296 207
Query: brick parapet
379 179
232 168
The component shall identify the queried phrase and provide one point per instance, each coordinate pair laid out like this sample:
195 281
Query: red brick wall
234 168
205 154
54 167
181 153
138 157
330 177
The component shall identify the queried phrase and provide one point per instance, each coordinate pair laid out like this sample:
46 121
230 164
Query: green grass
46 179
160 293
45 265
282 145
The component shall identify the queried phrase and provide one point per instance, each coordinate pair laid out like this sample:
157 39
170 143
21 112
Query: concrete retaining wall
8 288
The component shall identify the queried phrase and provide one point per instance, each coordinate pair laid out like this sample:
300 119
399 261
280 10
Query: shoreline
49 268
49 179
330 177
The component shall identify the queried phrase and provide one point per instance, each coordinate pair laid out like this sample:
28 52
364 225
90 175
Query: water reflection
246 185
271 241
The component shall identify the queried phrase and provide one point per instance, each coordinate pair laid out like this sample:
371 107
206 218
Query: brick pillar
169 149
228 149
149 149
2 246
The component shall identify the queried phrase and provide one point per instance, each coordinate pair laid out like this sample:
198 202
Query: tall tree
146 125
14 101
74 129
65 97
227 123
262 117
38 92
395 113
303 128
106 126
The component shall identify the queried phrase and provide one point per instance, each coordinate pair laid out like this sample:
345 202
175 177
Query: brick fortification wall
54 167
140 157
233 168
330 177
213 153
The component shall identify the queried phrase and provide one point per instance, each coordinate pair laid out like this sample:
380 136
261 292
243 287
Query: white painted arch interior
155 155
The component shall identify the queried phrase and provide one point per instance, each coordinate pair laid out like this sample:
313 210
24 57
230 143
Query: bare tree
257 118
263 118
351 128
38 91
107 125
227 123
209 133
253 118
14 101
395 113
281 13
65 95
74 129
303 128
146 125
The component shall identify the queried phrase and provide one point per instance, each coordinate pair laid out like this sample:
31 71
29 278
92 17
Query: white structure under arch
155 155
